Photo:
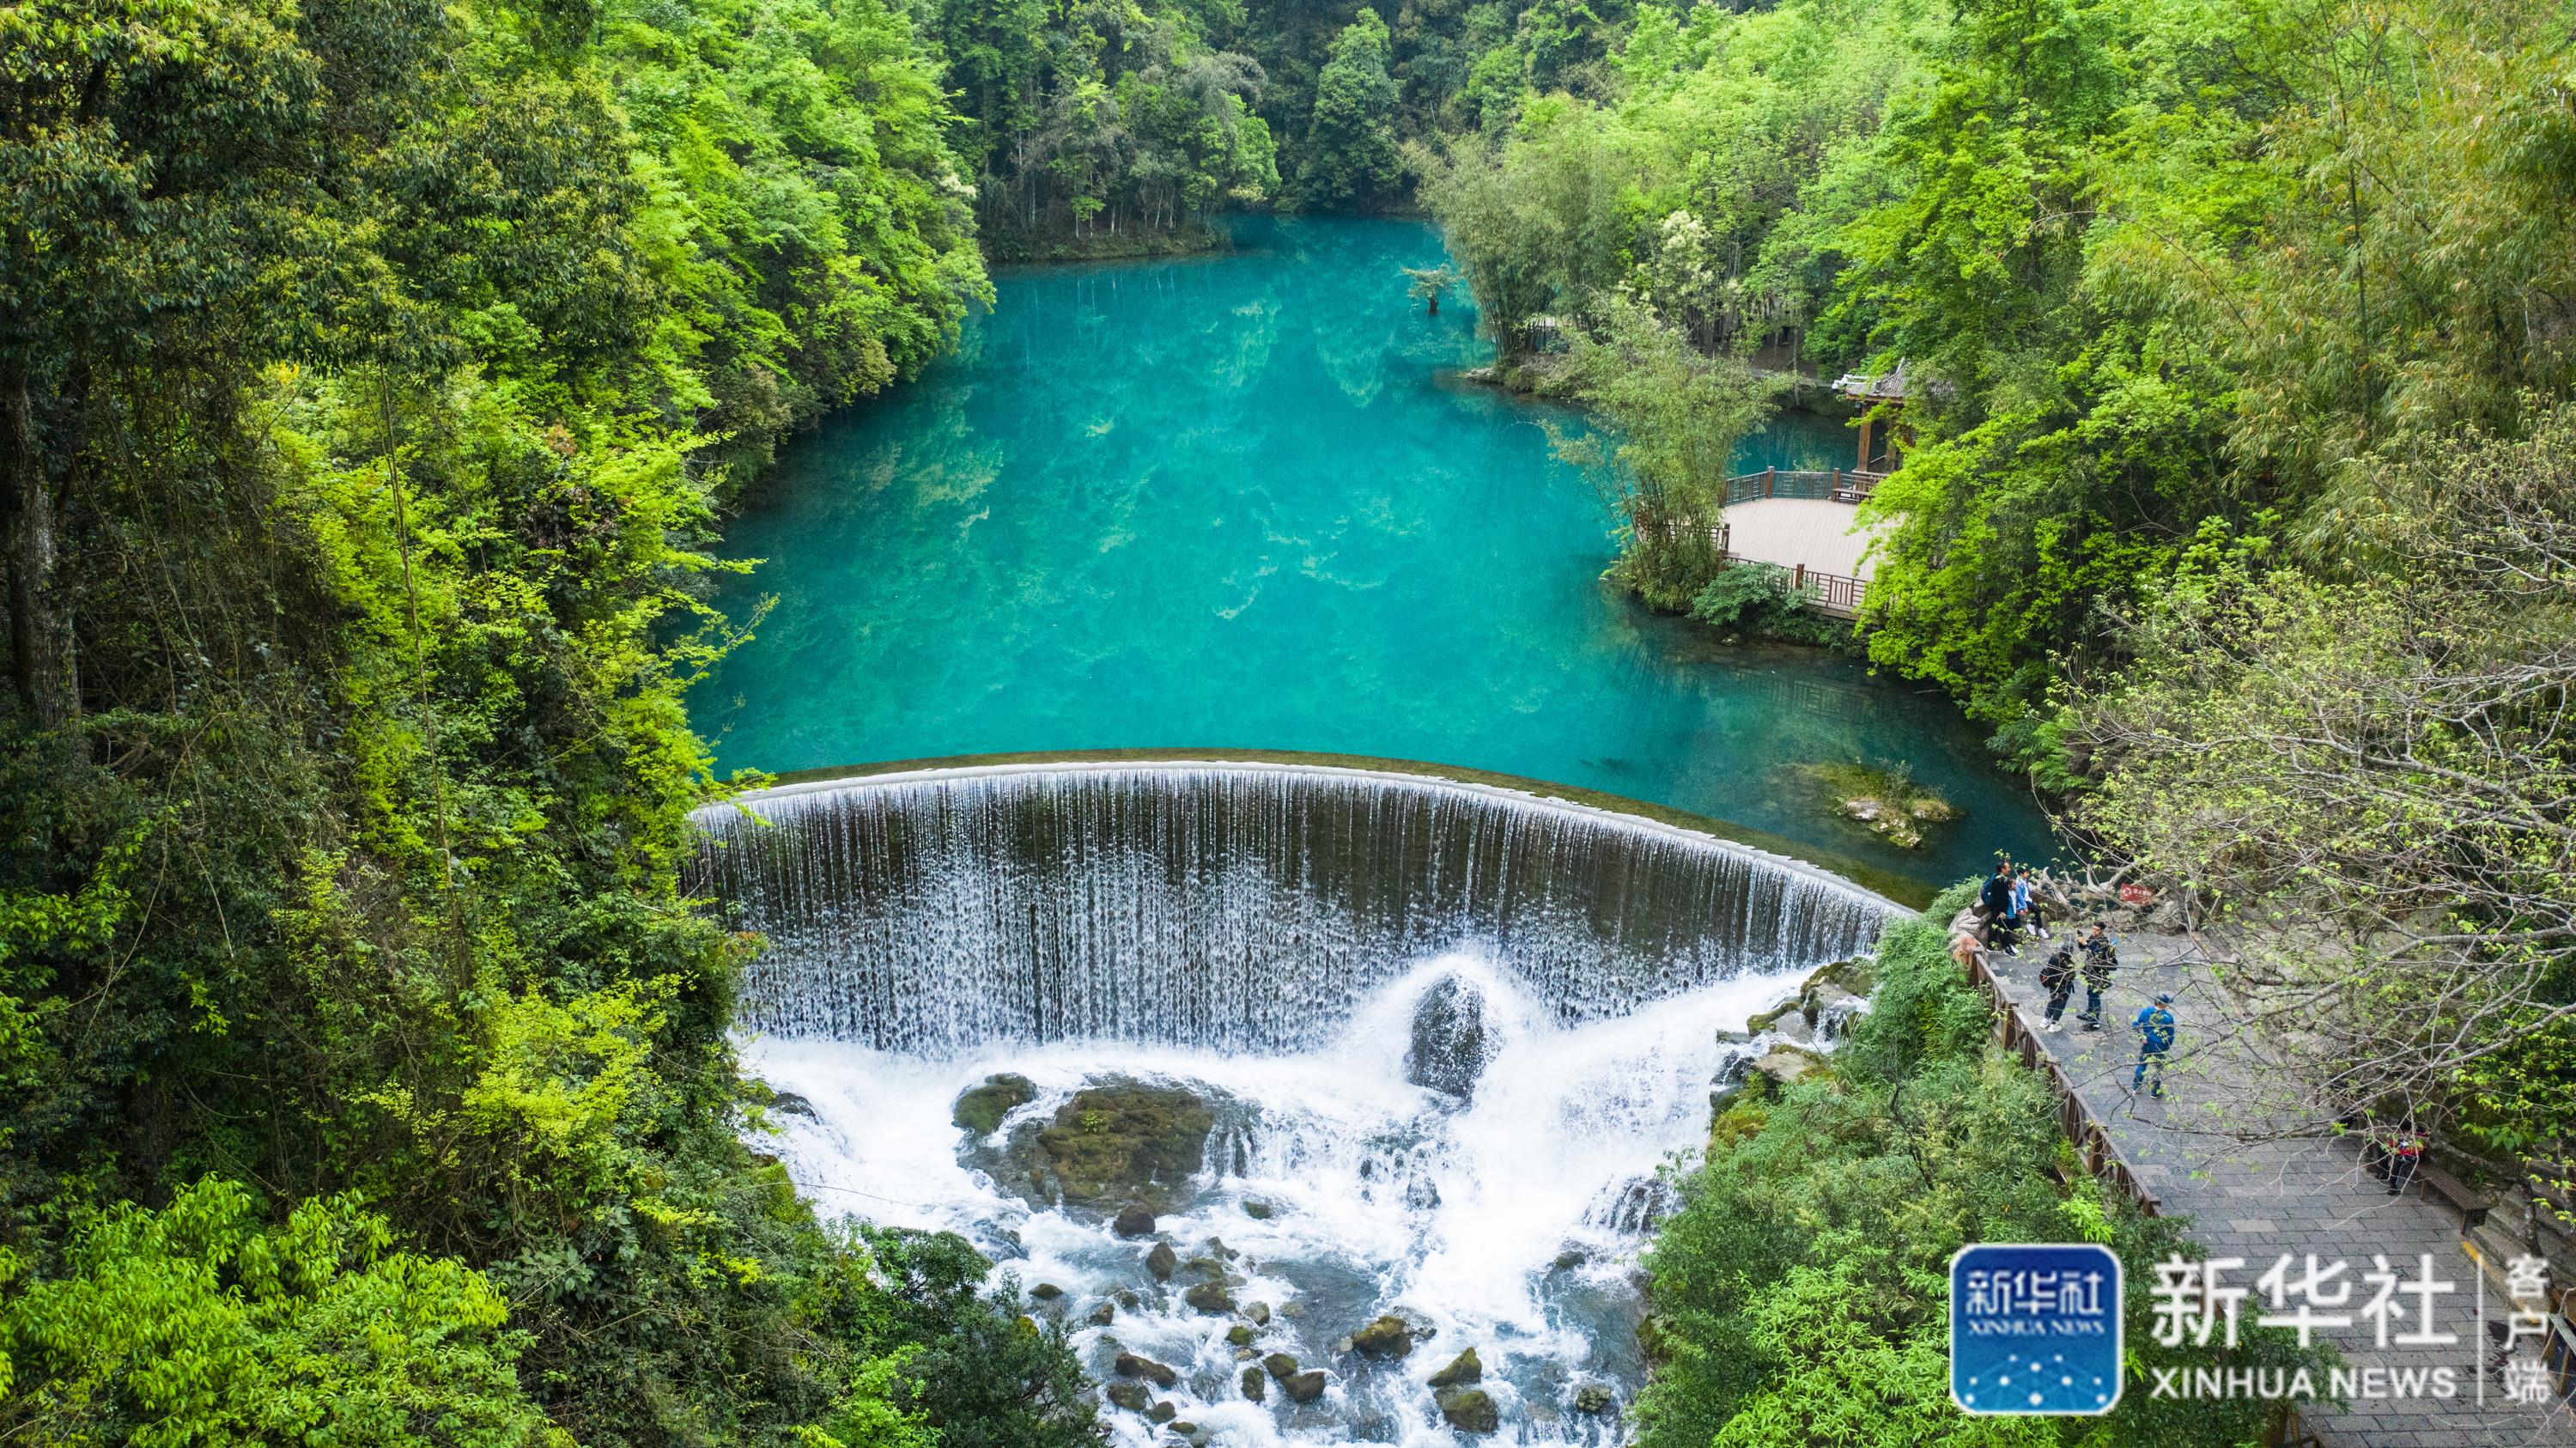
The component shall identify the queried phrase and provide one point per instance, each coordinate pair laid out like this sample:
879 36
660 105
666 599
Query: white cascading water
1268 937
1384 1197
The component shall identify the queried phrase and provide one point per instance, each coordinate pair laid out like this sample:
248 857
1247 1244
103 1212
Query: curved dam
1233 1064
1237 905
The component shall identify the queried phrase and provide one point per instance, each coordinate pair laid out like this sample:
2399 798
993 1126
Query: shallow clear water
1239 502
1508 1224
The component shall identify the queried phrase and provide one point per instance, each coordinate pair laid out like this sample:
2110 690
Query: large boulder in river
1450 1043
1463 1369
1123 1139
1133 1220
1785 1065
1469 1410
1162 1261
980 1109
1130 1365
1303 1387
1388 1337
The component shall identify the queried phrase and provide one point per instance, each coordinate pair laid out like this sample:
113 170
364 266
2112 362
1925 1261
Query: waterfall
1228 906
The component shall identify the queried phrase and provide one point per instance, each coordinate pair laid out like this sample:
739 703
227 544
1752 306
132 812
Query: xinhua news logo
2035 1328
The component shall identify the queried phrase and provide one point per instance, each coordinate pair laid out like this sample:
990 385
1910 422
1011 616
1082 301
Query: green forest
376 378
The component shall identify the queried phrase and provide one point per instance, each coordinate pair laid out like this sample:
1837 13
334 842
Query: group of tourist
2009 910
2009 905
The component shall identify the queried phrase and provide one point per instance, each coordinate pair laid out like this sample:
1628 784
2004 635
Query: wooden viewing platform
1799 520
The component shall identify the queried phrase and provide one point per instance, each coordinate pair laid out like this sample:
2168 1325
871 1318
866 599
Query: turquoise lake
1242 502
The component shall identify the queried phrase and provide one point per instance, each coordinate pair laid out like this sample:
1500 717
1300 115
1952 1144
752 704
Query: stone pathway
2258 1200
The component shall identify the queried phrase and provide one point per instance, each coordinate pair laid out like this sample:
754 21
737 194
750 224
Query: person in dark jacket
1996 900
2100 959
2057 977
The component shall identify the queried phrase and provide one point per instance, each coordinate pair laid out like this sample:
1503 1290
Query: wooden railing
2092 1141
1833 485
1835 593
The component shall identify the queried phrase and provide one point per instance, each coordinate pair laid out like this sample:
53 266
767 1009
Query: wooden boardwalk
2261 1199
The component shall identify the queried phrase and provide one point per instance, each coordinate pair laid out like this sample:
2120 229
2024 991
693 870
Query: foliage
1763 599
1104 127
199 1324
2367 780
983 1374
1349 160
1677 417
372 374
1801 1291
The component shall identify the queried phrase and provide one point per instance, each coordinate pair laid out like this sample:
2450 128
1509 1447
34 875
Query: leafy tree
201 1324
1676 417
1349 160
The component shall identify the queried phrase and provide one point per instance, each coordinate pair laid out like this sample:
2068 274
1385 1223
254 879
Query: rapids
1384 1197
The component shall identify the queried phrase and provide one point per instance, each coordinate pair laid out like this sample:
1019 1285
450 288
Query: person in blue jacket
2155 1026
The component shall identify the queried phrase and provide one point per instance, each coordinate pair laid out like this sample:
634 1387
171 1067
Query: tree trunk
40 648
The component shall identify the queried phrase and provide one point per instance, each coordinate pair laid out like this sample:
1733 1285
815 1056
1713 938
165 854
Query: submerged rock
1123 1139
1163 1412
1450 1044
1133 1220
1259 1312
1129 1394
1129 1365
1469 1410
1304 1387
1463 1369
1256 1384
980 1109
1388 1337
1258 1211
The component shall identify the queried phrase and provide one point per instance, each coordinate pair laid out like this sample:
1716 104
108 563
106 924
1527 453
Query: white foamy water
1510 1224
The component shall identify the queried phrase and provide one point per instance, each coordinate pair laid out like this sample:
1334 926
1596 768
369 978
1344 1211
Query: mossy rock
1210 1297
1886 802
1162 1412
1304 1387
1859 975
1764 1021
1280 1365
1240 1335
1785 1065
1162 1261
1123 1139
1388 1337
980 1109
1131 1365
1255 1384
1469 1410
1592 1398
1463 1369
1129 1394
